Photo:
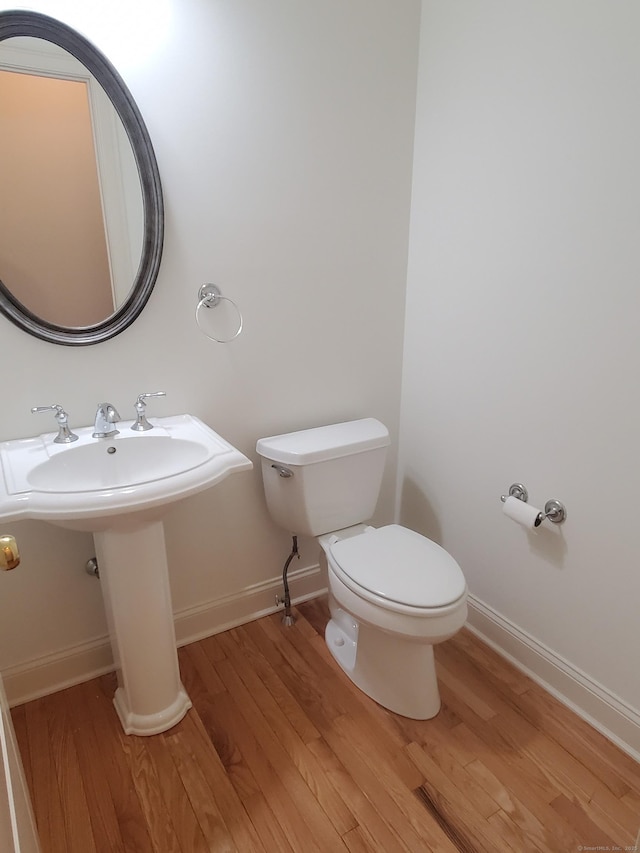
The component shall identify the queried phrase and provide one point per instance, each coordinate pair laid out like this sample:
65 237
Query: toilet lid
401 566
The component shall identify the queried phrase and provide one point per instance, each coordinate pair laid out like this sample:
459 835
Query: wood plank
534 820
222 790
315 613
373 829
201 661
450 805
519 722
464 692
147 786
356 841
217 731
19 719
211 820
246 662
510 835
617 770
590 833
561 724
313 684
615 817
47 797
269 830
106 733
530 829
287 797
323 834
442 754
174 795
501 755
504 676
512 764
382 786
105 820
282 695
559 767
78 831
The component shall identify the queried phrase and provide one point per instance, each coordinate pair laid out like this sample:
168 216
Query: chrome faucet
106 419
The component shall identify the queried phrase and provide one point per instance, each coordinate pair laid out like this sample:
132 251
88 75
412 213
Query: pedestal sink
119 488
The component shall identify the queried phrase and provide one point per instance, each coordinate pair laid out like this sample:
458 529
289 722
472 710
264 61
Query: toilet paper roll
525 514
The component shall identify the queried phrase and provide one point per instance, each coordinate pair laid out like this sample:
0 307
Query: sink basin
118 488
123 462
99 483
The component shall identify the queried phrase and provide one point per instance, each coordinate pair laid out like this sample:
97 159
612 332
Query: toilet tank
335 475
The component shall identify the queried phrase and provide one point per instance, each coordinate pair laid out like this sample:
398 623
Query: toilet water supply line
288 619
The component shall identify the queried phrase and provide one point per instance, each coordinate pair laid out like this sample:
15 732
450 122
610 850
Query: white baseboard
605 711
74 664
50 673
250 603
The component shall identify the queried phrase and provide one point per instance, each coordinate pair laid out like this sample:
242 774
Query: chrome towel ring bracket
209 296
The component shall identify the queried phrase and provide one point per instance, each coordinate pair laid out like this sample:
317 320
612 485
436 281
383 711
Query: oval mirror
81 220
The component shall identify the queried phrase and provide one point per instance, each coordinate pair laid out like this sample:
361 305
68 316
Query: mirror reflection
83 216
71 222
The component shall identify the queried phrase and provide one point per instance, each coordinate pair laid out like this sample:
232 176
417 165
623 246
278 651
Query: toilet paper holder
553 510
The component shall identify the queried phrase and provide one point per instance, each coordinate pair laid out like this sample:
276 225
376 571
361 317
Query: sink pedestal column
135 584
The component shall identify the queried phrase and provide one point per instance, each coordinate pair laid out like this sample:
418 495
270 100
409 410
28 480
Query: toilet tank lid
322 443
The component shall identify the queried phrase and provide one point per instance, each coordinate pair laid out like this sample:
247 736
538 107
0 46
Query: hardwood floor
282 753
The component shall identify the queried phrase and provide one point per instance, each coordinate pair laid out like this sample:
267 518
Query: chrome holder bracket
517 490
209 294
555 511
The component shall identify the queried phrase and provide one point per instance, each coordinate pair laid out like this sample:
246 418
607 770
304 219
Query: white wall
284 136
522 350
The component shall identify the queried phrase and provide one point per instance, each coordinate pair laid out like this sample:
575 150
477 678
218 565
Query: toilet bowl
393 593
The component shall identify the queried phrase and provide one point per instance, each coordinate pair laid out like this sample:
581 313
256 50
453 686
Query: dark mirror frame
36 25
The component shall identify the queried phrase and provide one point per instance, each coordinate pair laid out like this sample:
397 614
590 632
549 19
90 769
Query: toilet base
396 672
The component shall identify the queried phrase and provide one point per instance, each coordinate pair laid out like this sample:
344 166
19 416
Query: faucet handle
54 408
142 424
65 436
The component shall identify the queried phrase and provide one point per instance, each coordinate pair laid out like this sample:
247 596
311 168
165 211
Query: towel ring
209 296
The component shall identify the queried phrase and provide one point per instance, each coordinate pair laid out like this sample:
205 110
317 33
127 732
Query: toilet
393 593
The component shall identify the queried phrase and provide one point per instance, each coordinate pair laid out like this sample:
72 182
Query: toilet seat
399 569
